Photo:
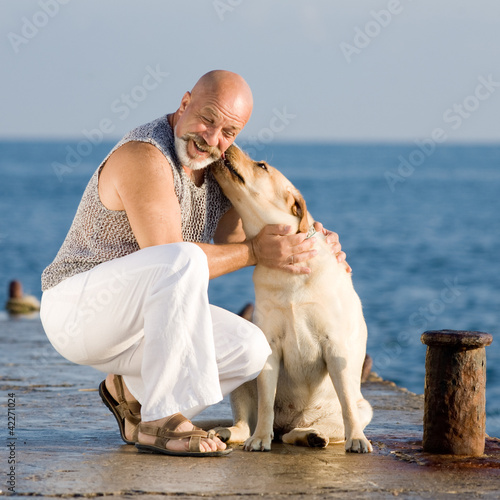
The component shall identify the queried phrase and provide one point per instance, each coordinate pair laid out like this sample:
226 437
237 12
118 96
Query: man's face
207 126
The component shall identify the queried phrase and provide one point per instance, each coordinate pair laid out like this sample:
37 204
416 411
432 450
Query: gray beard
186 161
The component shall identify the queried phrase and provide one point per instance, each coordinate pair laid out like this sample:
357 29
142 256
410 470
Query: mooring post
455 392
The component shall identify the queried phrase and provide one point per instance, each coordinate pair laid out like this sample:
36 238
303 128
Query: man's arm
272 247
137 178
231 250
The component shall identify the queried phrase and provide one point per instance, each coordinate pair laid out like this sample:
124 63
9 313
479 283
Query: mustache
213 151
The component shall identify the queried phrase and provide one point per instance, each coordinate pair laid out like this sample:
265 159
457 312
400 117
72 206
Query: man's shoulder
135 163
150 142
140 152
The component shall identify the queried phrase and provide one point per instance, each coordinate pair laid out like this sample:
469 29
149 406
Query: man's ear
299 209
186 99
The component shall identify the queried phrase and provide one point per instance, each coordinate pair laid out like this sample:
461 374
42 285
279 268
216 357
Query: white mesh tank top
98 234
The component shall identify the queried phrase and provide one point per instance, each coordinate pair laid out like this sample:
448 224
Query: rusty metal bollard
455 399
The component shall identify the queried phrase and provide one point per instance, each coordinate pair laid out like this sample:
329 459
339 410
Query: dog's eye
262 165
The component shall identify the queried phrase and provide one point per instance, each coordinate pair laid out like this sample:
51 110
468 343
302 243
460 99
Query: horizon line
282 141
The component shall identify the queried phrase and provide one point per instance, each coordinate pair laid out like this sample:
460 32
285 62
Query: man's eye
262 165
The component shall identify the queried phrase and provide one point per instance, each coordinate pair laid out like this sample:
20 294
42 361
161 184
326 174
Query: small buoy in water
19 303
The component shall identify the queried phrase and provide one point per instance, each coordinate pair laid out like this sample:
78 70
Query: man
127 293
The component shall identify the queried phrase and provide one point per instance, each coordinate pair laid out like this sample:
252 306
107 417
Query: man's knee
193 260
191 251
180 259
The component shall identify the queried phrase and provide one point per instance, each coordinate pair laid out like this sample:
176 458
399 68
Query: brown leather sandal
122 409
168 432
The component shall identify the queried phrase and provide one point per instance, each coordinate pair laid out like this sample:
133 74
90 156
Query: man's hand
278 248
333 240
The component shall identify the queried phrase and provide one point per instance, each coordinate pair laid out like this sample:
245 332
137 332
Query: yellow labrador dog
309 391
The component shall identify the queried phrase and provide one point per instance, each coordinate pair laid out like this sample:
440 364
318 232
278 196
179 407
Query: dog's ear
299 209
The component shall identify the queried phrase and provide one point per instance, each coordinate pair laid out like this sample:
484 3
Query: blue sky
380 70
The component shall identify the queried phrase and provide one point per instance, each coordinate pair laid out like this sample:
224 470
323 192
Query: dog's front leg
266 390
244 408
341 374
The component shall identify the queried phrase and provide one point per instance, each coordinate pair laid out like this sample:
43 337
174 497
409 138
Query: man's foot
175 435
123 405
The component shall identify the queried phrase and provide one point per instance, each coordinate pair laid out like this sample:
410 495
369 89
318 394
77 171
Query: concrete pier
66 444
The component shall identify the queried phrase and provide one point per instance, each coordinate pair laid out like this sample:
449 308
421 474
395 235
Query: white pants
146 316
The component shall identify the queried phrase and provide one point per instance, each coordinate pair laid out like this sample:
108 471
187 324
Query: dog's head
260 193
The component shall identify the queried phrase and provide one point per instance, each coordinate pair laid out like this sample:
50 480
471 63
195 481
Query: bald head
229 87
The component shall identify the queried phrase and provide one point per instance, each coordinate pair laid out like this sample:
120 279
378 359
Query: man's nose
211 136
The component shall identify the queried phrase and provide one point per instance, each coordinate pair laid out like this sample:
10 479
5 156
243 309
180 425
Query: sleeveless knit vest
98 235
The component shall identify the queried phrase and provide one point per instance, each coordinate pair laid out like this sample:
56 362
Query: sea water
421 229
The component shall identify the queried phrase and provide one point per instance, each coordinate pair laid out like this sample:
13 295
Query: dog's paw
223 433
358 445
233 434
256 443
306 437
317 440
